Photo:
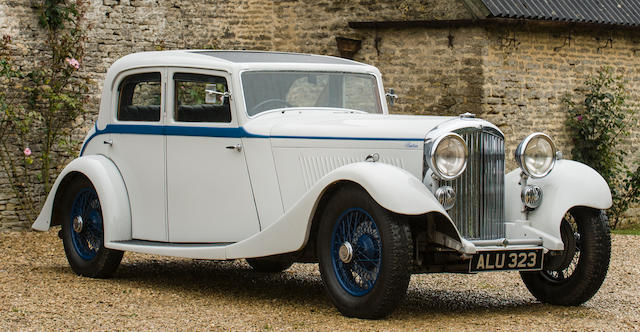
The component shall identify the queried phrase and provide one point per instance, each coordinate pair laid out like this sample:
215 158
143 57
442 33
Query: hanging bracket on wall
509 40
567 42
607 43
348 47
376 44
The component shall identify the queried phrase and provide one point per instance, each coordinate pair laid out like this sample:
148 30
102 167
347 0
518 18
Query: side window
201 98
140 97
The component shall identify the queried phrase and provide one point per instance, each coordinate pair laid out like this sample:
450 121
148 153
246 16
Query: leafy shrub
40 106
598 127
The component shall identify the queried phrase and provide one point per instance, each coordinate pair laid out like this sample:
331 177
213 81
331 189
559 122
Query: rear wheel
575 276
83 233
364 253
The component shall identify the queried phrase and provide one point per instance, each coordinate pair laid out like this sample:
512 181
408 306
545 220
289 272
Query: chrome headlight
447 156
536 155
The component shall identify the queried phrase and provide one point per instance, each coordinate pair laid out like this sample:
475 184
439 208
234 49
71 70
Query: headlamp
536 155
447 156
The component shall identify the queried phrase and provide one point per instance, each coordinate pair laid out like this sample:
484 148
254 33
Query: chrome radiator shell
479 209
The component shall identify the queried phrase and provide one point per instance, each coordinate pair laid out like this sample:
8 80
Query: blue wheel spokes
88 240
358 274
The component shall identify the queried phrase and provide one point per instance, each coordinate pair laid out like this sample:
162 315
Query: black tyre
83 232
575 276
364 253
269 264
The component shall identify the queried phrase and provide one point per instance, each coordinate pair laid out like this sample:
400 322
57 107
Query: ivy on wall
598 125
39 106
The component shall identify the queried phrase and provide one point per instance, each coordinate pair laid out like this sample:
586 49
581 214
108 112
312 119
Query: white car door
137 147
209 193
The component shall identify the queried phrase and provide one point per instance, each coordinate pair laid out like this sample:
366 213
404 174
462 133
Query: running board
187 250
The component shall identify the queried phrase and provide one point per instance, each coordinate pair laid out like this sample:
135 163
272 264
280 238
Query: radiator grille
479 209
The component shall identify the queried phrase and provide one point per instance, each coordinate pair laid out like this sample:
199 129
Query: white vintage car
280 158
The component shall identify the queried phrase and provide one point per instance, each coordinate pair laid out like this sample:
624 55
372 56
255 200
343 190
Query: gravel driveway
40 292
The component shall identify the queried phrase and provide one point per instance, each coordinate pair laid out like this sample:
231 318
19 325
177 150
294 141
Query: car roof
235 60
274 57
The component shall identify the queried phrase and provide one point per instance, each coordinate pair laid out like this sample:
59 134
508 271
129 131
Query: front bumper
520 234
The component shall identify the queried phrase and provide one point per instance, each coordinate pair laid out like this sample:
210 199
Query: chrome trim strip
507 242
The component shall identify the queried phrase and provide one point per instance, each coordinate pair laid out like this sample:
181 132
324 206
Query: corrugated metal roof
618 12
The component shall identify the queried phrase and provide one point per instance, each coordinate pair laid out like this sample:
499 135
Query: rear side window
201 98
140 97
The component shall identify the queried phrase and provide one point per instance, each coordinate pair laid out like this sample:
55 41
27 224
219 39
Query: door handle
108 141
237 147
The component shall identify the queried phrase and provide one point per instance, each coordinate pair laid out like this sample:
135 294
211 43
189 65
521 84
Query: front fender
112 192
393 188
570 184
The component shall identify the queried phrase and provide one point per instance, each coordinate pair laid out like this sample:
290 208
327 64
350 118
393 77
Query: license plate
499 260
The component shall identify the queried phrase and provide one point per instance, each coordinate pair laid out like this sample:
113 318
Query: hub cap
346 252
77 224
356 251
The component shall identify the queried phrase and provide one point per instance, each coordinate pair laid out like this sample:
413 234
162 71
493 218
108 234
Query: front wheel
575 276
364 253
83 233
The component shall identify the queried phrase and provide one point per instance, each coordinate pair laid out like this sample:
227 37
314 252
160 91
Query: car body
240 154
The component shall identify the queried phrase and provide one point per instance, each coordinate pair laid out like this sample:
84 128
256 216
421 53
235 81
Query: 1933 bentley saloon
279 158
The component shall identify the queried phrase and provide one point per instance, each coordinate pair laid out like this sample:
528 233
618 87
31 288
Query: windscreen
267 90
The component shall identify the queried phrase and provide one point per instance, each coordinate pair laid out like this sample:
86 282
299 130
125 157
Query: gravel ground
40 292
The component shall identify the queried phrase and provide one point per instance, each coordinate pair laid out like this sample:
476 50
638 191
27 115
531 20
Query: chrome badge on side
411 145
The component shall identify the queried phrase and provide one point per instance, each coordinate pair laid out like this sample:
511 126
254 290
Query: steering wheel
260 106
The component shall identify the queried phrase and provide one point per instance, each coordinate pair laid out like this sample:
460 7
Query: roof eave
492 21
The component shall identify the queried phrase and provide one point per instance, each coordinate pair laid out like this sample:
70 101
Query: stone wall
528 72
525 81
512 77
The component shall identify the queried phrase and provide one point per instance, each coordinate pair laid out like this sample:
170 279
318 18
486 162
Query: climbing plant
15 130
42 103
599 124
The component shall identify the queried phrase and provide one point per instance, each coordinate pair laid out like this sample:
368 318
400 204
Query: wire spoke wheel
83 232
364 253
572 276
86 224
570 231
356 251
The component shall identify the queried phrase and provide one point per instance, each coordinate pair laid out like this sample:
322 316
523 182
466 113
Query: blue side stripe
351 138
177 131
239 132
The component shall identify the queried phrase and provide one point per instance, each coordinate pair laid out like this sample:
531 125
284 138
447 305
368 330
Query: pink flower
73 62
27 152
579 117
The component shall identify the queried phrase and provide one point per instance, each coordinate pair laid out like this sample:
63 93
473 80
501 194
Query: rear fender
112 192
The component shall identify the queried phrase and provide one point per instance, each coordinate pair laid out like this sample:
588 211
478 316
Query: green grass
630 231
